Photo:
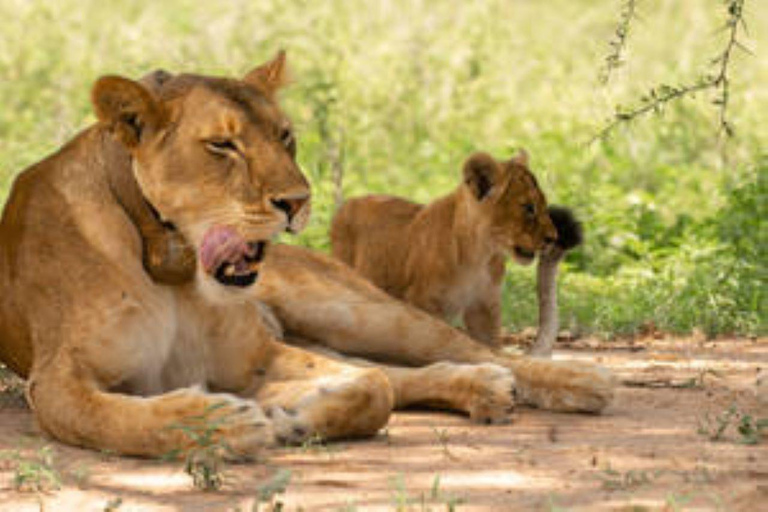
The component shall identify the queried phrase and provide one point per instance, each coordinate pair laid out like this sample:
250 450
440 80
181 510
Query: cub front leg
70 405
483 319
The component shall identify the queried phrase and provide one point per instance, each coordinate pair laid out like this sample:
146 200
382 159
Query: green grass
398 93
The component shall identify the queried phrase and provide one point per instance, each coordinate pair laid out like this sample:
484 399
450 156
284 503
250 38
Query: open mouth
243 270
230 259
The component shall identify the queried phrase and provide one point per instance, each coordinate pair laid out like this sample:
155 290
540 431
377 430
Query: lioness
448 257
140 287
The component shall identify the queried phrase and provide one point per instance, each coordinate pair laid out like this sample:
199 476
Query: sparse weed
613 480
204 459
423 502
748 429
113 504
697 382
316 444
269 490
751 429
35 472
442 438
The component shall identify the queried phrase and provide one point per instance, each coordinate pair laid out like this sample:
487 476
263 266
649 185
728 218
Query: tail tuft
569 229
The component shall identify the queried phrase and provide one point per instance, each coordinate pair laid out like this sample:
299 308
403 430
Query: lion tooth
229 270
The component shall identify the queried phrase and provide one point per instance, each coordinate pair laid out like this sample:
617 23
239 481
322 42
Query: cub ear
521 158
481 173
270 76
127 107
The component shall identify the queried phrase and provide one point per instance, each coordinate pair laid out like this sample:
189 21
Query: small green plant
269 490
399 493
402 501
748 428
204 459
613 480
316 443
553 506
34 473
80 474
442 438
697 382
677 502
751 429
113 504
714 427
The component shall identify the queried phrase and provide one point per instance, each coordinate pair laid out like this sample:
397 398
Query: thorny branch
619 42
719 80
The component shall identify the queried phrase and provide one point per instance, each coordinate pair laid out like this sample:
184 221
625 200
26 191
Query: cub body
448 257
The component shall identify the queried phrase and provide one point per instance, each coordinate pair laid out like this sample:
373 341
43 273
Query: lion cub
448 257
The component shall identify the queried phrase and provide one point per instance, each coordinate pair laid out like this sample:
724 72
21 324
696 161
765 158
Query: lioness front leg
482 391
320 299
485 392
70 405
306 394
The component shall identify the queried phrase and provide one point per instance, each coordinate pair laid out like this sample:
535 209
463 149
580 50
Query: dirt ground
658 447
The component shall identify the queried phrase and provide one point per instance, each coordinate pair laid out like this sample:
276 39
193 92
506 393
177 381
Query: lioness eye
220 146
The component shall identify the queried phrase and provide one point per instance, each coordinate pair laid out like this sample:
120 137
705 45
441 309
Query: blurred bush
394 94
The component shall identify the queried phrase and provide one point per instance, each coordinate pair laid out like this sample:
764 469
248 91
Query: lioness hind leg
74 410
565 386
307 395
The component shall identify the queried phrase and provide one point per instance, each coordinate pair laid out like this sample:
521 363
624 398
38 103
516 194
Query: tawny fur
120 335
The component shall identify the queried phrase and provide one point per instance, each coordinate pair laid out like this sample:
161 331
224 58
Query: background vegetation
395 94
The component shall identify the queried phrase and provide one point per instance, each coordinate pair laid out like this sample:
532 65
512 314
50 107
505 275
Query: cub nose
550 239
290 205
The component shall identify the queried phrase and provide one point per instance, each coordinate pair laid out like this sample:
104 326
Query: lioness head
511 202
214 159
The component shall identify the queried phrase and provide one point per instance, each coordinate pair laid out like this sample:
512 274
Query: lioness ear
521 158
155 80
126 106
271 75
481 173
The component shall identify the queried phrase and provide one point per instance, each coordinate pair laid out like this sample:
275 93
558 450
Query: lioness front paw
564 386
289 428
244 430
492 401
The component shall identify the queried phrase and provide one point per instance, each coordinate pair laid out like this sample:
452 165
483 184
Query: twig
658 97
619 42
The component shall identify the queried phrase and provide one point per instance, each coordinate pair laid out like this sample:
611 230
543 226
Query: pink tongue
222 244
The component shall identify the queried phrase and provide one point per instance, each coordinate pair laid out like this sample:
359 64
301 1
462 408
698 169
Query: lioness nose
290 205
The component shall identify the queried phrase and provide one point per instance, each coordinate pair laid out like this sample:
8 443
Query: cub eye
221 146
529 209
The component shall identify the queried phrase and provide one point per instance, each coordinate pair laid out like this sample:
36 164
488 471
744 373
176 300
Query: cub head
510 204
214 159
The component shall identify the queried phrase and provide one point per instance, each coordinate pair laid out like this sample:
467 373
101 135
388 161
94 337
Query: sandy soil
644 453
